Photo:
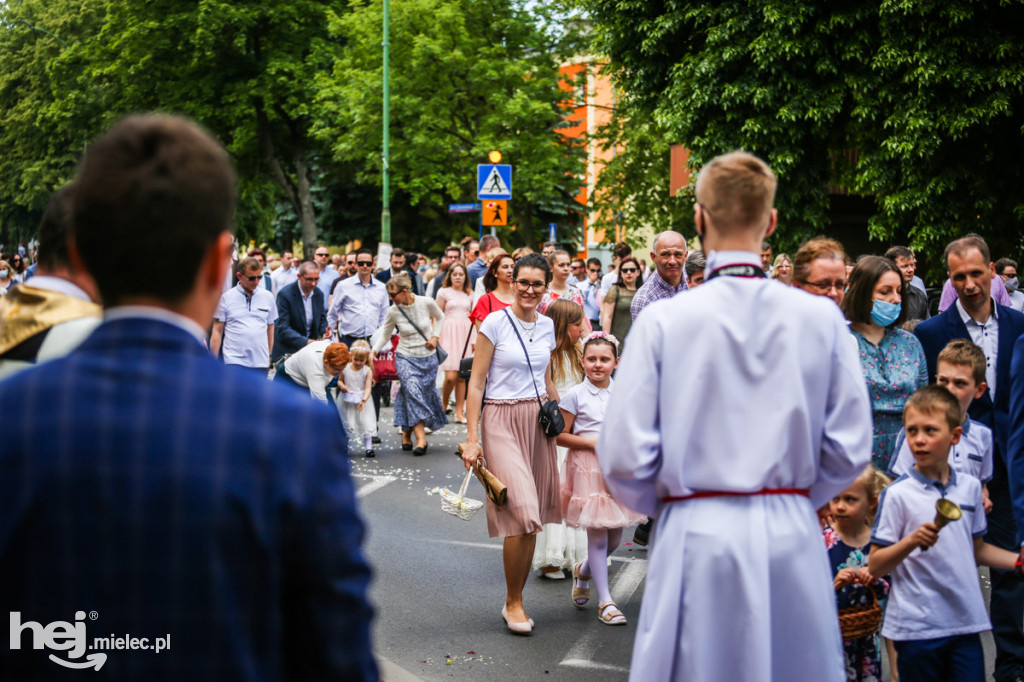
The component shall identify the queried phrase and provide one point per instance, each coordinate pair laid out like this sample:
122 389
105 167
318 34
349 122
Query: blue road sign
463 208
494 181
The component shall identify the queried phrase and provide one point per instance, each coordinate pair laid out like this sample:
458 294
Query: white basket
457 504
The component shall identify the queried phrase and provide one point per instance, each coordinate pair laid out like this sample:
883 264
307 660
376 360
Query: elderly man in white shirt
735 457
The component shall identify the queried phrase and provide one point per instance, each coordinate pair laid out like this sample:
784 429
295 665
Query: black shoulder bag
550 417
466 364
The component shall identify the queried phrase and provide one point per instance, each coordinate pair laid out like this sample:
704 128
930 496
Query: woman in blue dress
892 360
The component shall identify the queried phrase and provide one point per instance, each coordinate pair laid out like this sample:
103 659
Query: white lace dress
557 544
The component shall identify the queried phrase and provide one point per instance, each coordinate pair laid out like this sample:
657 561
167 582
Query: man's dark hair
594 261
622 249
455 248
895 252
964 244
52 253
151 185
397 252
364 252
533 260
765 246
1001 265
488 242
860 297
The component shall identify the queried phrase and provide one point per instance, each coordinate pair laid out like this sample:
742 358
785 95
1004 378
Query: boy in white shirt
936 608
960 368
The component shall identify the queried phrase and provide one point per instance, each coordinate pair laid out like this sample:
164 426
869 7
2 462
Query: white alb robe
739 385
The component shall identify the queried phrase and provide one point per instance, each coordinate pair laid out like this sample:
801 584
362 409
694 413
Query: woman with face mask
892 360
7 278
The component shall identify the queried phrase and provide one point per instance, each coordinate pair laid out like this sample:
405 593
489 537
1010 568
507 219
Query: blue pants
945 659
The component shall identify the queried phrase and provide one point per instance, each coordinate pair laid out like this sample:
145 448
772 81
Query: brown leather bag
496 491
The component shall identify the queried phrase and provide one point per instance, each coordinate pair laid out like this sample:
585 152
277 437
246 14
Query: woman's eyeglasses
627 271
525 285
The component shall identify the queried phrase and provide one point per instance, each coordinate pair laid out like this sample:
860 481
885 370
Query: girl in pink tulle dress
586 502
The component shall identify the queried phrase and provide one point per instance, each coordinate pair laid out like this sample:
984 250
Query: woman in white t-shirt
515 447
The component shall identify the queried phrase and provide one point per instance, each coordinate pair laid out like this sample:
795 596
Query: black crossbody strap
526 353
468 337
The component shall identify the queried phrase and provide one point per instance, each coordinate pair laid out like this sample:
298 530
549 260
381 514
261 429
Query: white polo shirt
934 593
971 456
588 403
245 326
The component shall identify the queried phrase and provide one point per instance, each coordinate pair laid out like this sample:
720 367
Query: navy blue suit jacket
936 332
290 328
172 495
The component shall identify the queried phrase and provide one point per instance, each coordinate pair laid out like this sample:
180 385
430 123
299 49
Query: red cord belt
728 493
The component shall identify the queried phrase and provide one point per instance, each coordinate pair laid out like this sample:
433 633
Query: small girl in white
360 420
586 501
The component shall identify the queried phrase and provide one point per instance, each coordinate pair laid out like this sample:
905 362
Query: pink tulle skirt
586 502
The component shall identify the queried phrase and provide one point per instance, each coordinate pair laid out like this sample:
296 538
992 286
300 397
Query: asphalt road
439 585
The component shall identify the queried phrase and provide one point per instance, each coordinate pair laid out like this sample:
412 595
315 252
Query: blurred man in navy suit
175 500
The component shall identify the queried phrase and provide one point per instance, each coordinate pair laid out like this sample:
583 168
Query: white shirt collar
58 284
717 259
146 312
594 390
966 316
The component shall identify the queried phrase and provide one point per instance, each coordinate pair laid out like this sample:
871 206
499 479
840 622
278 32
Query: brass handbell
945 511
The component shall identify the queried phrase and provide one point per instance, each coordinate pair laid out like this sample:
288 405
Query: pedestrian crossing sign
494 181
495 212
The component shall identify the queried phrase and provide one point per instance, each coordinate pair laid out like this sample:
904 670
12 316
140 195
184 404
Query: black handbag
550 417
442 354
466 364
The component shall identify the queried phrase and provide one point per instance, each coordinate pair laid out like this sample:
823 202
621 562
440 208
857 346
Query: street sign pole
493 181
385 212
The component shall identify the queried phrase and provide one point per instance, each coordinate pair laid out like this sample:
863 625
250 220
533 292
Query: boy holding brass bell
936 608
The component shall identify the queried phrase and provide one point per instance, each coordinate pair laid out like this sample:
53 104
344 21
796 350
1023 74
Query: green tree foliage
918 104
244 69
39 53
632 187
467 77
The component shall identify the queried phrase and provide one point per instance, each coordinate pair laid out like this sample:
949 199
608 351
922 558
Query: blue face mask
884 313
3 274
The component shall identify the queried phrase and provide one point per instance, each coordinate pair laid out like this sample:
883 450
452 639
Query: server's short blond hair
737 190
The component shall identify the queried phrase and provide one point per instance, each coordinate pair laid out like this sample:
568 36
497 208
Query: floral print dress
862 655
893 369
574 295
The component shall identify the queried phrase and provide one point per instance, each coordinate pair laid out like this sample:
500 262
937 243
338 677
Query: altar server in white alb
738 410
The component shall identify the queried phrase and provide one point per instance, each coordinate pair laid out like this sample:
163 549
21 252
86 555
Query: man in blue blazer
153 499
294 328
996 329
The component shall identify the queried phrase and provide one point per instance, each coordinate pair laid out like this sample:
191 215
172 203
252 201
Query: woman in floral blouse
892 360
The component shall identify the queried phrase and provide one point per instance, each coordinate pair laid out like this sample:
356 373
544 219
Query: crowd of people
804 442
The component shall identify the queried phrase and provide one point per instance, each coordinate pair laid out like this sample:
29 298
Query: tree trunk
297 189
307 216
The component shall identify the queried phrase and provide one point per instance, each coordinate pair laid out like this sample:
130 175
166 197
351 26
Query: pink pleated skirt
586 502
523 458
